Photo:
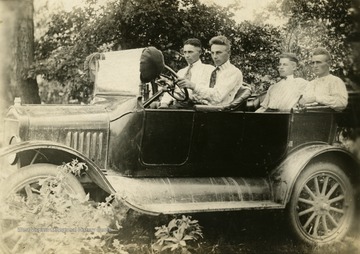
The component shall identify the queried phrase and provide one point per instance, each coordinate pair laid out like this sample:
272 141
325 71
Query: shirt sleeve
308 94
225 83
166 99
302 84
265 102
338 97
201 76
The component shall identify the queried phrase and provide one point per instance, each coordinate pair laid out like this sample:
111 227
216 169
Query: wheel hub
321 205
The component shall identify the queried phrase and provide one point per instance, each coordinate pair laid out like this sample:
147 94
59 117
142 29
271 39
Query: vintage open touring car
198 159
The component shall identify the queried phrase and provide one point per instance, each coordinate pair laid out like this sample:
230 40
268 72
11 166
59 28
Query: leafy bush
59 222
175 236
62 222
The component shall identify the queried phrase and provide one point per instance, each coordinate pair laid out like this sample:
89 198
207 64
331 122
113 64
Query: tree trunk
17 45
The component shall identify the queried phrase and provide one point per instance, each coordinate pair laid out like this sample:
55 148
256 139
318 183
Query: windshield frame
118 73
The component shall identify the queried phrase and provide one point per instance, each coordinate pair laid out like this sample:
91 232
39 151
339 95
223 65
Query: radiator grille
88 143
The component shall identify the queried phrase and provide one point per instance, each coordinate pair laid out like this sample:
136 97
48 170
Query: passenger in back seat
326 89
285 94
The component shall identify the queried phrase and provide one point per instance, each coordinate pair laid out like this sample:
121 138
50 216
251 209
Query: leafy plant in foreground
59 221
175 236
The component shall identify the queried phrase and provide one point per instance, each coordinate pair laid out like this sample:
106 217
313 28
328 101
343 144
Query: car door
216 143
264 141
166 137
239 143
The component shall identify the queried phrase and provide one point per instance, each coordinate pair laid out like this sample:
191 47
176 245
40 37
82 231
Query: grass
243 232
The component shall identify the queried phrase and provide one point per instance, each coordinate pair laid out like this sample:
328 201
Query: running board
206 207
192 195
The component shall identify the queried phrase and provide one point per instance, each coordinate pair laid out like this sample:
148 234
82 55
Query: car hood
82 127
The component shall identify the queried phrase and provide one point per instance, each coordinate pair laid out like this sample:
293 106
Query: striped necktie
188 72
213 77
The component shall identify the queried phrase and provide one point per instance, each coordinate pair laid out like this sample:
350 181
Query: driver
196 71
224 82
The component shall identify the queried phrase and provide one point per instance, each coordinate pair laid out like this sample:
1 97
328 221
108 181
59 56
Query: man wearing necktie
224 81
285 94
196 71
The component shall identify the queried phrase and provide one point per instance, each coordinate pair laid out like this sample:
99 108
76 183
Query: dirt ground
253 232
266 232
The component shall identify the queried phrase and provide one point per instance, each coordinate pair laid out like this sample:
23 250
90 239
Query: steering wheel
169 84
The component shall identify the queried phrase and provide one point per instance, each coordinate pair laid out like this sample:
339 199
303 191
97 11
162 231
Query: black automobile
188 160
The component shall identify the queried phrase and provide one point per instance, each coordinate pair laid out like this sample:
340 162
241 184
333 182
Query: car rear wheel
21 195
322 205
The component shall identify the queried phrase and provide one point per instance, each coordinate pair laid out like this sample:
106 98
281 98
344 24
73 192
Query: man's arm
265 103
308 95
338 97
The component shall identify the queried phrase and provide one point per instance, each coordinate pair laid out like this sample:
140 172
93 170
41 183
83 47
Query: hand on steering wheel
169 82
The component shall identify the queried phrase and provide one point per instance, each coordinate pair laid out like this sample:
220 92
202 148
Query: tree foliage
72 36
325 23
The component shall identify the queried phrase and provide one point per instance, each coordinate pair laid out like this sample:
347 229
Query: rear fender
283 178
25 153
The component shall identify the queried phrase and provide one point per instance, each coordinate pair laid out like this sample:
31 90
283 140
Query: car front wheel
322 205
23 194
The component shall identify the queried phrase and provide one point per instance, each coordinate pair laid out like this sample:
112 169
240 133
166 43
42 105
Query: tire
24 183
322 204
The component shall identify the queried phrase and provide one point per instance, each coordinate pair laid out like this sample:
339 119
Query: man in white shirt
196 71
326 89
285 94
225 80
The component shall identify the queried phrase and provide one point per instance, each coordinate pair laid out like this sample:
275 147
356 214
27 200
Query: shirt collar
324 77
197 63
224 65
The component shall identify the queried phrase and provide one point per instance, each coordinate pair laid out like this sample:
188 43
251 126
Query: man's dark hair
194 42
220 40
291 56
321 51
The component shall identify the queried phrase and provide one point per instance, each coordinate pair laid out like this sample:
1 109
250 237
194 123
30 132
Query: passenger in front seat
225 80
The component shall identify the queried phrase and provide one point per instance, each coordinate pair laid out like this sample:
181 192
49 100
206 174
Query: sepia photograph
179 126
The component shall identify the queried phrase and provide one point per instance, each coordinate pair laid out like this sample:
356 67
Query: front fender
283 178
28 152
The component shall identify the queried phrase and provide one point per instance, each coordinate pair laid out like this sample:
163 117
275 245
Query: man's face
191 53
220 54
320 65
286 67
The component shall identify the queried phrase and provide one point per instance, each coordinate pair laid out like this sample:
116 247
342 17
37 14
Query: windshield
119 72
